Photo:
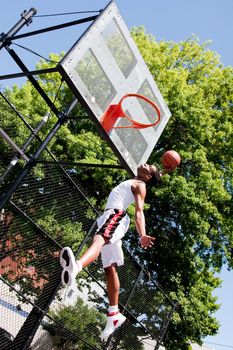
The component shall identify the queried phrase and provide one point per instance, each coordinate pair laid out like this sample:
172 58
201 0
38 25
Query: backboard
103 66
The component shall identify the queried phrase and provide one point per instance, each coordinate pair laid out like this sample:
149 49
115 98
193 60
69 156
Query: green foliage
190 214
82 321
70 233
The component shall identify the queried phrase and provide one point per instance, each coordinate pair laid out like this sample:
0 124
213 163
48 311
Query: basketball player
112 226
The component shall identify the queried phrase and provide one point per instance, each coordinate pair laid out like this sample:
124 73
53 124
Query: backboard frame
92 47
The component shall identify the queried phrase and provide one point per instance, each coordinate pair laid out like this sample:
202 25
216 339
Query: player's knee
99 239
110 270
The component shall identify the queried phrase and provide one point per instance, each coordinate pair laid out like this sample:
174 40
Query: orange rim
136 124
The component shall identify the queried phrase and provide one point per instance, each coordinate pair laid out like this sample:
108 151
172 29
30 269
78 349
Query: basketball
171 159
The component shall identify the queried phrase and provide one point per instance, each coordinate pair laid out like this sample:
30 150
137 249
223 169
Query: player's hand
147 241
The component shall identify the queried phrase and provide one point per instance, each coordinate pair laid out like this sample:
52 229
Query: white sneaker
67 258
70 266
114 321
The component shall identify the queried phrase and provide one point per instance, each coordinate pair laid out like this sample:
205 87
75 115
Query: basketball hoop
114 112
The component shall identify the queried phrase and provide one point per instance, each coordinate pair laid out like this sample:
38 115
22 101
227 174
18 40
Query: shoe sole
65 278
67 259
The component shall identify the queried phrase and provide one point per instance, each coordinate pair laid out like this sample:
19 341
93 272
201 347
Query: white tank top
121 196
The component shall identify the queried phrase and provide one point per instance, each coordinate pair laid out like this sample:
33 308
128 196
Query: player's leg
113 284
93 251
112 255
71 267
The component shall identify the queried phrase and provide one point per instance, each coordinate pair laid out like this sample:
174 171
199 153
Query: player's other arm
139 192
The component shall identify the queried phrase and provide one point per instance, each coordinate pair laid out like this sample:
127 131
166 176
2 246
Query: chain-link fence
46 204
49 209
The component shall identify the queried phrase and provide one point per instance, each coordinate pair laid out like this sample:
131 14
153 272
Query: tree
83 321
191 213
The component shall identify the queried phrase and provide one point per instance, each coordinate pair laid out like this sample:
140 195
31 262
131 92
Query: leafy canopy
190 215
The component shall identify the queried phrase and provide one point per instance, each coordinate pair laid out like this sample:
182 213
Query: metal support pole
33 81
36 155
27 332
133 289
165 327
15 159
86 165
29 73
12 144
37 227
33 321
59 26
26 19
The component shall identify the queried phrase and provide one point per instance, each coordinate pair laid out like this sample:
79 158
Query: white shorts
112 252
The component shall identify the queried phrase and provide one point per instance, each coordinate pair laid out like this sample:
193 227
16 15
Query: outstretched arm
139 192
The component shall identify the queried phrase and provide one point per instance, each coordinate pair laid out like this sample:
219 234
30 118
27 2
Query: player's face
146 170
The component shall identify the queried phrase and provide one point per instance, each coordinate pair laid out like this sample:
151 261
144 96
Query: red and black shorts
113 224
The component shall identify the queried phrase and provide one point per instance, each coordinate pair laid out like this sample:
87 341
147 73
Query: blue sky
170 20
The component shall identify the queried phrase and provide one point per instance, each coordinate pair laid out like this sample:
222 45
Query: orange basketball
171 159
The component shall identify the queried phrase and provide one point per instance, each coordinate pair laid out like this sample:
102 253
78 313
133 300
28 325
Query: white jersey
121 196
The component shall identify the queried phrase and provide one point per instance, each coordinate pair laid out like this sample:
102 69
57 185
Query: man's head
148 173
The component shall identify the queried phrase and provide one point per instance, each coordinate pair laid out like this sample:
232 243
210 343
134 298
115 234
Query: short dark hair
155 177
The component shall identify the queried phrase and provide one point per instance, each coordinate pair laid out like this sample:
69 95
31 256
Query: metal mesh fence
14 310
48 210
19 135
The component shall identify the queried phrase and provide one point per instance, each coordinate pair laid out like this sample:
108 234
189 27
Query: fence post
165 327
